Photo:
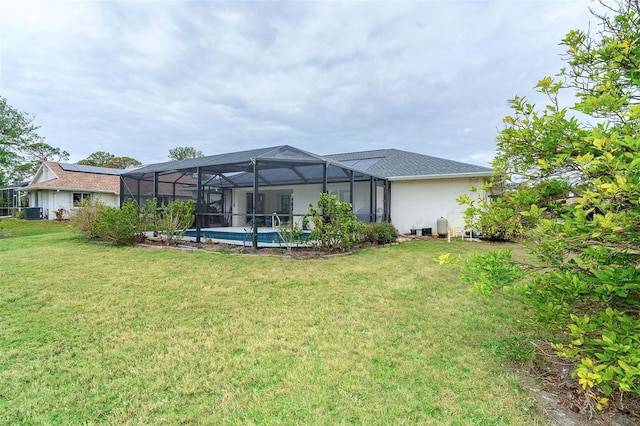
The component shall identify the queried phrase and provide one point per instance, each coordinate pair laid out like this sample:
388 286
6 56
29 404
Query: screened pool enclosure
267 187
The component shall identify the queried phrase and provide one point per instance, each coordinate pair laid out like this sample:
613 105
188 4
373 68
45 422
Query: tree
122 162
16 131
33 155
586 282
98 159
184 152
106 159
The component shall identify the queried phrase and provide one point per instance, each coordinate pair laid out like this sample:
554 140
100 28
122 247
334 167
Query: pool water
270 237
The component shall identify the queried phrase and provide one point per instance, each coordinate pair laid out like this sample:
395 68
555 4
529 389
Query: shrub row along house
270 186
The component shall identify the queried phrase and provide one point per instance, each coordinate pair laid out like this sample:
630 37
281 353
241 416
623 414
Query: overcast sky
137 78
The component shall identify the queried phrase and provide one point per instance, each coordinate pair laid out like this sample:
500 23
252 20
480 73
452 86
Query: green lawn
92 333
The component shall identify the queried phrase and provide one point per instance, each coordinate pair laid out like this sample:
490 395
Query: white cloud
137 78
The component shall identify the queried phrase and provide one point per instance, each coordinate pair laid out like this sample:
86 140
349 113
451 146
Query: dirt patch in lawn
562 401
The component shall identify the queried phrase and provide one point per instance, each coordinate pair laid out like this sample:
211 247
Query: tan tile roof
93 182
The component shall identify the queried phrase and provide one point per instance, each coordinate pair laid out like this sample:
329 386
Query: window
344 196
285 203
79 196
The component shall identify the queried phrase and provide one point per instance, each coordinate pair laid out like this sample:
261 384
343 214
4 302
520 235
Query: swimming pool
242 236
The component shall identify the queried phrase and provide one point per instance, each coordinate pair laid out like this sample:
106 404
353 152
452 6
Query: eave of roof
68 189
441 176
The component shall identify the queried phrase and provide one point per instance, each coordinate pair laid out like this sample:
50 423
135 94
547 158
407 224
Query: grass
92 333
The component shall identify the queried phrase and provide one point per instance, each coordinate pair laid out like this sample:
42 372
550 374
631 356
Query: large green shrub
496 219
585 285
120 225
173 220
83 216
507 216
333 224
128 224
376 232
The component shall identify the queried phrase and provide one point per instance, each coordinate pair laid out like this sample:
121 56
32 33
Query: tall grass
93 333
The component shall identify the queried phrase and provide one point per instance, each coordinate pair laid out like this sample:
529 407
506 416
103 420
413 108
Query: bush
292 235
585 283
596 310
173 220
126 225
122 225
500 218
82 217
377 232
501 222
335 226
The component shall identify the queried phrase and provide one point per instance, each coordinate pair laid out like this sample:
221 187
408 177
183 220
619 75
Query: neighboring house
410 190
58 187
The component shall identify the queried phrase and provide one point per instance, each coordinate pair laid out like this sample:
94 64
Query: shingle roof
391 163
75 180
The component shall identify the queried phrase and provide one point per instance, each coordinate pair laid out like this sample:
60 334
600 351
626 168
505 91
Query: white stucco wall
303 195
50 201
414 203
417 204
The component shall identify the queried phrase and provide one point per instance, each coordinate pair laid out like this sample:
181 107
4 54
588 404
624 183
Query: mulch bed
296 252
562 400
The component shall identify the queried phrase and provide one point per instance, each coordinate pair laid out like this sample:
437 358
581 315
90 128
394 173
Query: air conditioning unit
33 213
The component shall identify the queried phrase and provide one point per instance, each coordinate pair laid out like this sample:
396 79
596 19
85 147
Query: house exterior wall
414 203
417 204
112 200
46 174
303 195
53 200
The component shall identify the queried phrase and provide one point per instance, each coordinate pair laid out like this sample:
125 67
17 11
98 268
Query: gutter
52 188
441 176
